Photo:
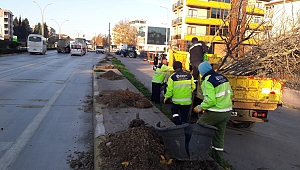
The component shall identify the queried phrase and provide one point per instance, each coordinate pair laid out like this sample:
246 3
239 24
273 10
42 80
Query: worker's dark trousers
183 111
156 92
219 120
195 65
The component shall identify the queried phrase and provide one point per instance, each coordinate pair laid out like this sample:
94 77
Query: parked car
77 49
100 49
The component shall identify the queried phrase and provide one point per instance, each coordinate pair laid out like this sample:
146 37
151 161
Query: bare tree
275 56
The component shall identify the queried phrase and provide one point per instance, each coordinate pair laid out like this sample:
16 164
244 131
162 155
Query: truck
63 46
253 97
127 50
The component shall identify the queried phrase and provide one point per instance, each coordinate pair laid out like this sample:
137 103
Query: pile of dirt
108 66
124 98
141 147
111 75
105 59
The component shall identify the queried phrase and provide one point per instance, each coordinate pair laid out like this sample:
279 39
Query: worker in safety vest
216 105
158 79
180 88
196 53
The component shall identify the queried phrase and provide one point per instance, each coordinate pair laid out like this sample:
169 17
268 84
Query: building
282 15
203 18
6 24
150 37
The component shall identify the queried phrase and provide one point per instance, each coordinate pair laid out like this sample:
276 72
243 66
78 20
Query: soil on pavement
111 75
142 148
123 98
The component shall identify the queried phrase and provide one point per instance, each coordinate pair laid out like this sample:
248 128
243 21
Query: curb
97 121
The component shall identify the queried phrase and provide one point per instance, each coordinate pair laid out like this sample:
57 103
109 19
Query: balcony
174 22
179 20
254 10
203 21
207 4
174 7
180 4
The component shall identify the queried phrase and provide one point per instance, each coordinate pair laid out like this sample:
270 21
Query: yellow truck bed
249 92
256 93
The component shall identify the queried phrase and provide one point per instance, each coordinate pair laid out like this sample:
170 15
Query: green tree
16 27
124 33
38 30
25 29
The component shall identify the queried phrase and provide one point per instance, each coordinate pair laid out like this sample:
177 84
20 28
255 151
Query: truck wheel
247 125
131 55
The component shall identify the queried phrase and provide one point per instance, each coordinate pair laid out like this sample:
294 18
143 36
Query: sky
89 17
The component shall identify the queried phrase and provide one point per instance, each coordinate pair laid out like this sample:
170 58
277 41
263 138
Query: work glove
197 109
165 100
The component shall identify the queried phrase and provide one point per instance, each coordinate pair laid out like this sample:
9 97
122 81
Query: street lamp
166 28
42 12
78 33
59 26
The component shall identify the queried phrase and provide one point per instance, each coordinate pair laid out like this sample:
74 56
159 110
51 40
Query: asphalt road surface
44 109
272 145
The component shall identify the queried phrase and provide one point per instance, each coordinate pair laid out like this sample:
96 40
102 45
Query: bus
36 44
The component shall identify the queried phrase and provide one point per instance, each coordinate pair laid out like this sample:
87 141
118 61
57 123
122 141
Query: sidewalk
111 120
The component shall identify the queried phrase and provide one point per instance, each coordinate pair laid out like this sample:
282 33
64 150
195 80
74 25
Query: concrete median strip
111 120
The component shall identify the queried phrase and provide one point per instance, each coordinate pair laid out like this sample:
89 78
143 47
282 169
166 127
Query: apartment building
283 15
6 24
202 19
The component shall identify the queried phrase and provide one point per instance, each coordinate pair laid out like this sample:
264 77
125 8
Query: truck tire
246 125
131 55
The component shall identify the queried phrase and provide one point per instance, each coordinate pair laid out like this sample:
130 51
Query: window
157 35
76 46
191 30
35 39
193 13
219 13
214 28
257 20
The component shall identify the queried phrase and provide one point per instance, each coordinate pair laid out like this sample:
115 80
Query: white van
36 43
77 49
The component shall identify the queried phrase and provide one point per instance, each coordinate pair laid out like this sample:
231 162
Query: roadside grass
140 86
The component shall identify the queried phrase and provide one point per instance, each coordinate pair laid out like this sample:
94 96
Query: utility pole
109 37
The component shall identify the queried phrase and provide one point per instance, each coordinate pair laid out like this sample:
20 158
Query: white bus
36 43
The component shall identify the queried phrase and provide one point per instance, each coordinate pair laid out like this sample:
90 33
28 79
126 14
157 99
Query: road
45 114
272 145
